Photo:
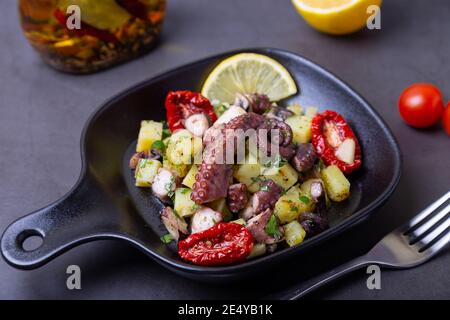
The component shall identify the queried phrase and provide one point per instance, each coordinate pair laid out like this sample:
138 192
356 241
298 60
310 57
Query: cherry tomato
446 118
222 244
421 105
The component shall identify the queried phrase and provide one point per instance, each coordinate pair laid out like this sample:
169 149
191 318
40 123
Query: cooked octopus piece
257 226
266 197
173 223
313 223
164 184
237 197
304 158
279 113
257 103
197 124
204 218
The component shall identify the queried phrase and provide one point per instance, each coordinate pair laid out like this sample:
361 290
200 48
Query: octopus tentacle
237 197
214 176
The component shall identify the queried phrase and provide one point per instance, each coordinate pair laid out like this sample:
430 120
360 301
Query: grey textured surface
42 113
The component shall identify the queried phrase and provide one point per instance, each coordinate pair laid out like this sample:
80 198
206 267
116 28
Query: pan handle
74 219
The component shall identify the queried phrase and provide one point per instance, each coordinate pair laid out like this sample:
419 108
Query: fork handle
306 287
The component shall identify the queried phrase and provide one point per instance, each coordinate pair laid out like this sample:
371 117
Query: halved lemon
249 73
335 16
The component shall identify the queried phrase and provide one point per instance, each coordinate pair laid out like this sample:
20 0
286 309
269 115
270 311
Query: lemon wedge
335 16
249 73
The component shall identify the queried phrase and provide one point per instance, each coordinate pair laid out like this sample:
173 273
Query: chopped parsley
294 209
159 145
304 199
277 162
257 179
142 163
264 188
220 108
272 228
166 133
185 191
169 187
167 238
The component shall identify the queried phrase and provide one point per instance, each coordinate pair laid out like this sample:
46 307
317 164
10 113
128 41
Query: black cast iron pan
104 204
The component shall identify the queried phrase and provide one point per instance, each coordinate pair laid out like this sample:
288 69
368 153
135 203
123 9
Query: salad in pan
239 173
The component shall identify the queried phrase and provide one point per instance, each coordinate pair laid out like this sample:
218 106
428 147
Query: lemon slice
249 73
335 16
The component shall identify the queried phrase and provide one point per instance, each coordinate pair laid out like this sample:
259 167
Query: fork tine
439 244
422 215
441 229
424 228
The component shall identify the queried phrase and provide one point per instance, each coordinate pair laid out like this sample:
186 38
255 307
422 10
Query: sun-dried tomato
224 243
182 104
329 130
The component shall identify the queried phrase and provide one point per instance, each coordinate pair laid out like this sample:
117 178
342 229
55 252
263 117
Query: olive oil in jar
108 32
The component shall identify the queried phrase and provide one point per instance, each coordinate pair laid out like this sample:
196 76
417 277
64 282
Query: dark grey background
42 113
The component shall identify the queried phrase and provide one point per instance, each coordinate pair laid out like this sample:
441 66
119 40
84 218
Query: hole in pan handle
80 216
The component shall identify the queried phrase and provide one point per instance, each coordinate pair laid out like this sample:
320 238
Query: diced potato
305 187
180 147
197 149
285 176
258 250
301 128
292 204
220 205
183 204
311 112
296 108
146 171
181 170
150 132
294 233
336 184
189 179
248 173
240 221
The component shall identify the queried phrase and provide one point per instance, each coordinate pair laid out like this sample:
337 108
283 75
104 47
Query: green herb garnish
169 187
264 188
167 238
272 228
304 199
220 108
159 145
185 191
142 163
256 179
279 161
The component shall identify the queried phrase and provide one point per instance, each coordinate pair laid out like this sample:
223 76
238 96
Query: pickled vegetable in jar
83 36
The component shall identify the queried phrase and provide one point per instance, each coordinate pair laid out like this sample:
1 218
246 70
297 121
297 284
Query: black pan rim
352 221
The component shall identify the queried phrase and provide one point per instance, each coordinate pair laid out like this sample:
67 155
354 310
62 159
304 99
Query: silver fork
406 247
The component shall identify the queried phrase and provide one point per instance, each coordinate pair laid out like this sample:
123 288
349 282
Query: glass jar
83 36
